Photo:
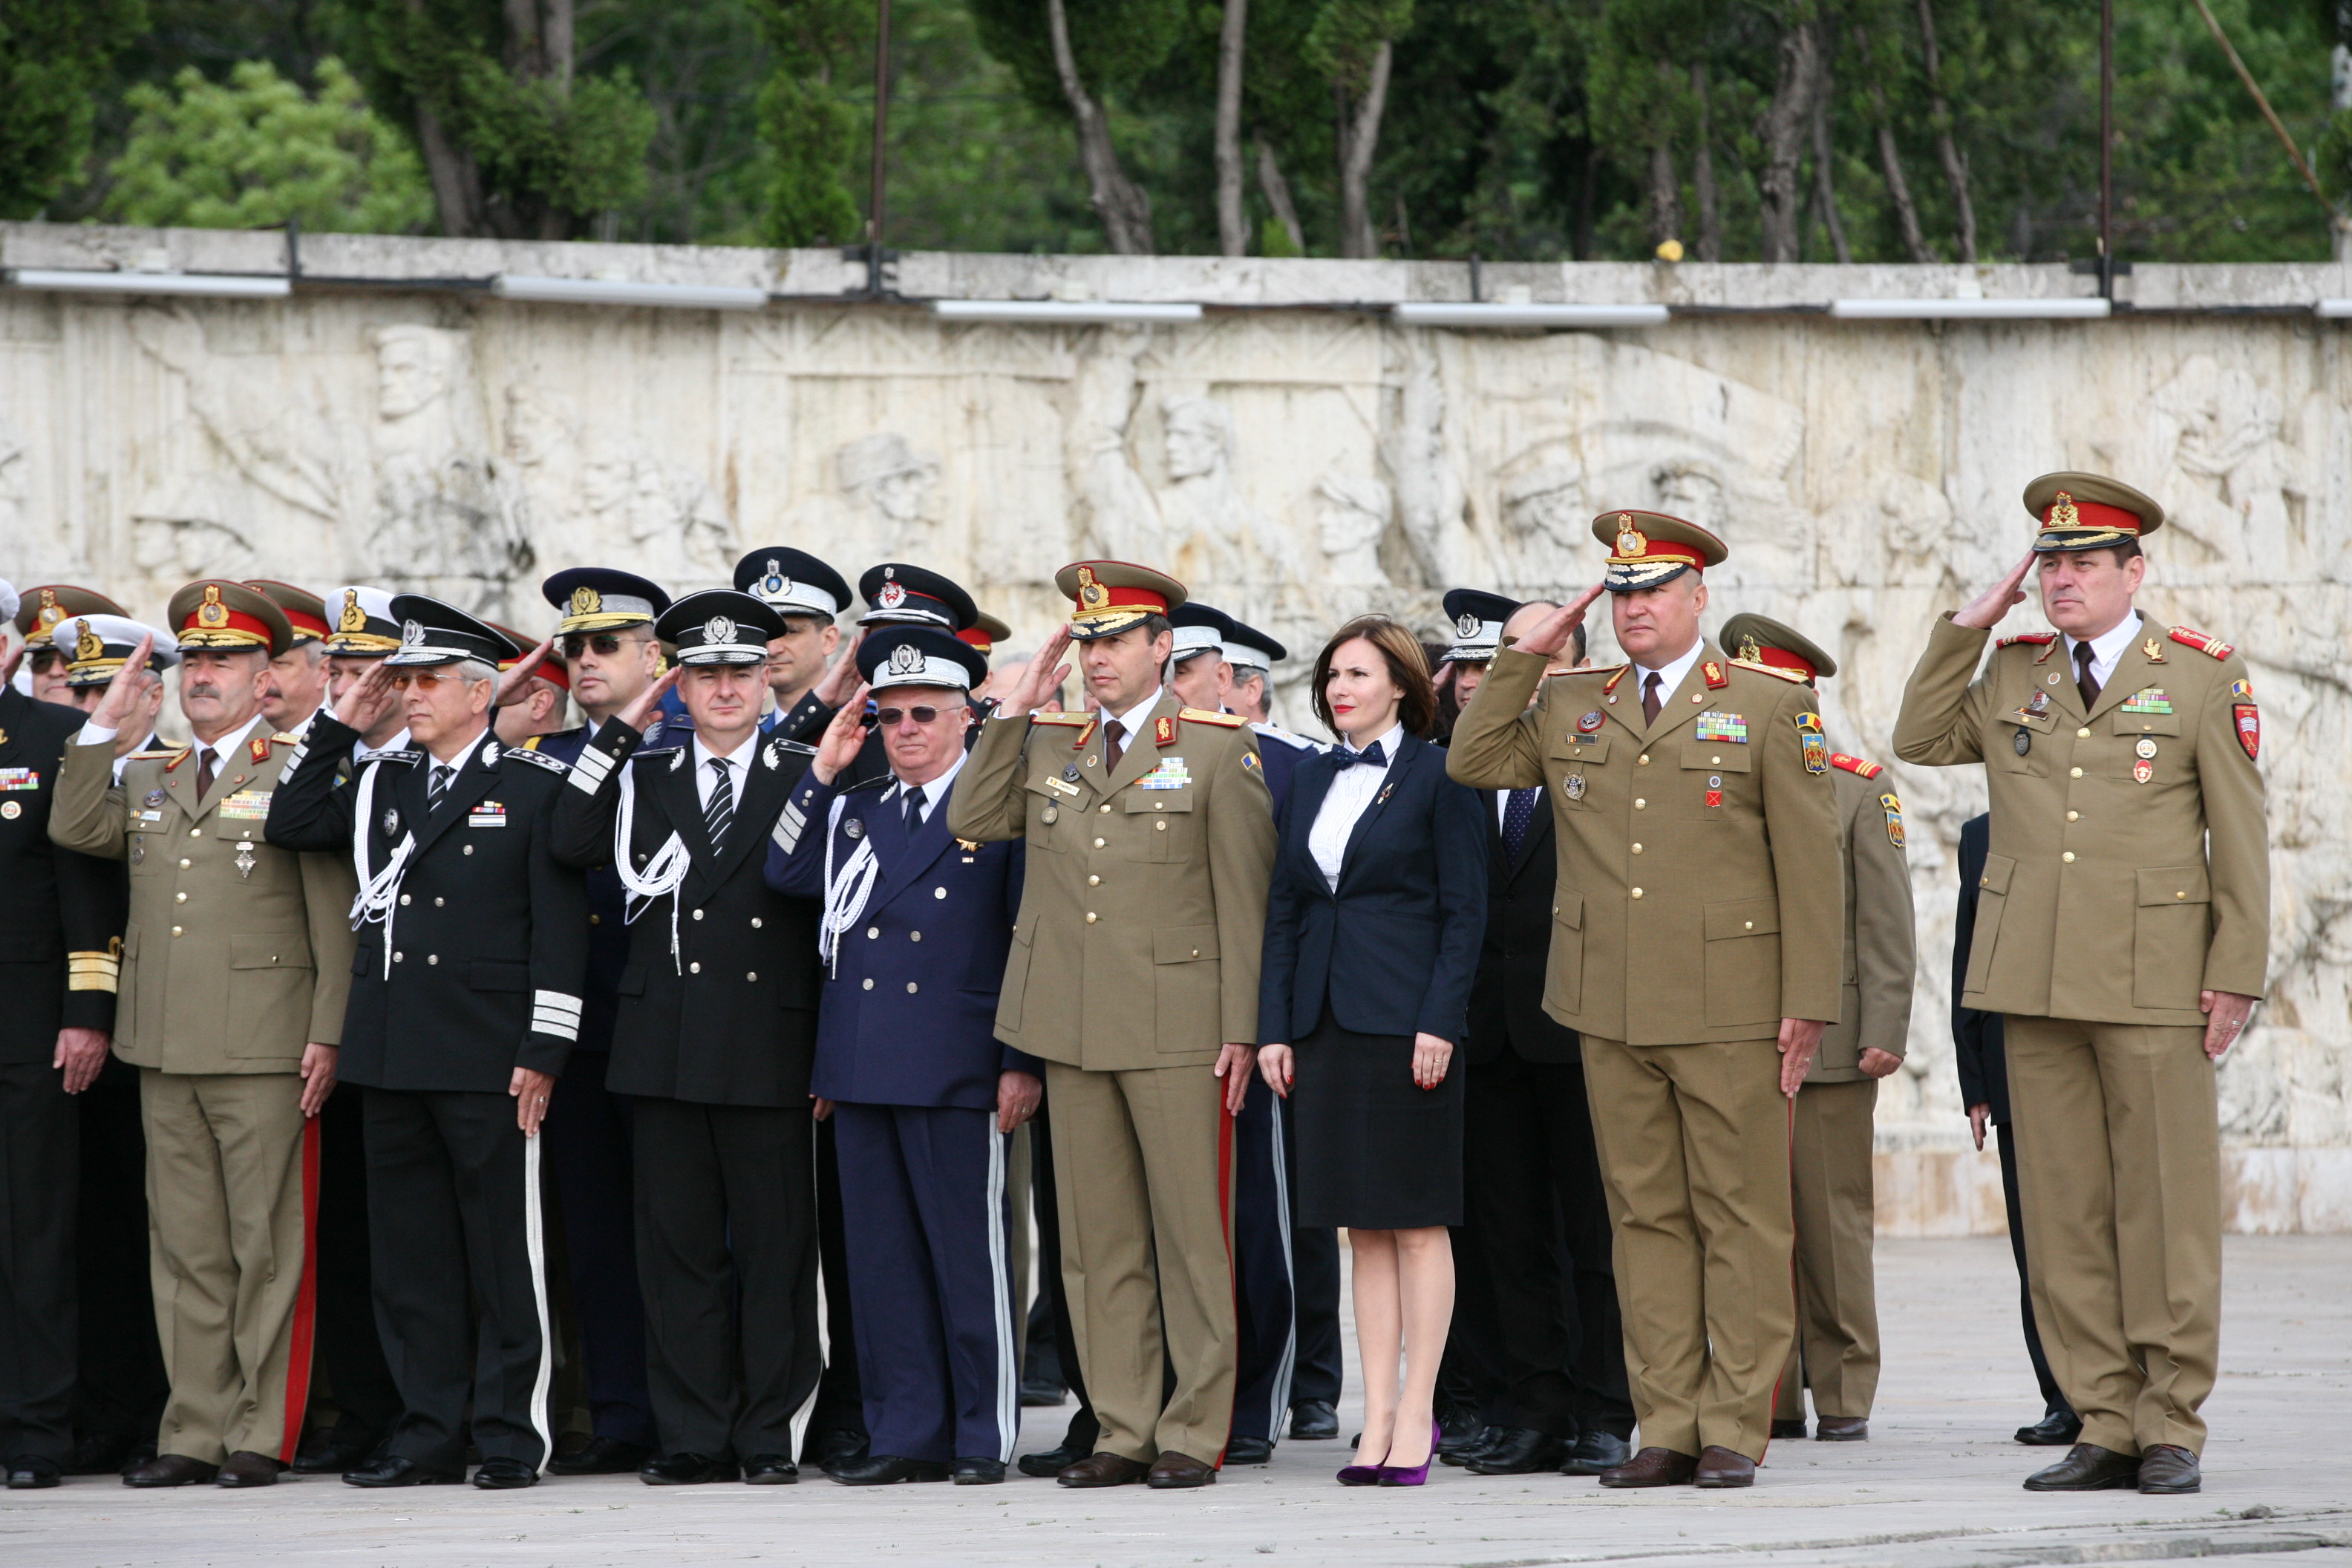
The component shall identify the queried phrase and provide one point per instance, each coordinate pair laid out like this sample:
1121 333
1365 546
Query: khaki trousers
1836 1352
2119 1177
1143 1162
1693 1145
232 1187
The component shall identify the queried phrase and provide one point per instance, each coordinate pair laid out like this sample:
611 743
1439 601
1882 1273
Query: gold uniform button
1098 843
694 969
1090 917
911 988
1639 805
1637 892
2181 894
2073 816
1106 809
1637 848
195 832
2068 856
1699 697
1716 762
179 897
175 931
2082 734
185 864
1094 881
1642 760
1162 825
598 920
2074 773
1750 925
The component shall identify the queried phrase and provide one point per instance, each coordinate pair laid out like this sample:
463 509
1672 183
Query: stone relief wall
1296 467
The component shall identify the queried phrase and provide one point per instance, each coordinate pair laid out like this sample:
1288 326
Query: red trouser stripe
306 1300
1225 1224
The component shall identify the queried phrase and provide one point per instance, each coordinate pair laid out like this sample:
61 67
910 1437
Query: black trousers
40 1169
2052 1398
459 1263
588 1144
350 1353
1315 1283
121 1386
726 1207
840 1392
1542 1216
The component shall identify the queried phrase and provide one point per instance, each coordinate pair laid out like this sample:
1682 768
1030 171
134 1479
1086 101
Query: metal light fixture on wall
1431 313
1062 312
614 291
2067 309
213 285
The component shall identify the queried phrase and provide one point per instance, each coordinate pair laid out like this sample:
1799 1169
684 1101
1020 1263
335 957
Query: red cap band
1781 659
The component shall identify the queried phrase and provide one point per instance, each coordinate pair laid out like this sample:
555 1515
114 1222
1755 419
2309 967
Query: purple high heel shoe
1359 1475
1399 1476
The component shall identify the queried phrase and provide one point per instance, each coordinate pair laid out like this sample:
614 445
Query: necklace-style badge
244 859
2025 742
1574 788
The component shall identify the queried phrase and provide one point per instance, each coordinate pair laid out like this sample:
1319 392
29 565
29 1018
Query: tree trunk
1665 195
1119 202
457 179
556 40
1899 189
1360 137
1233 229
1824 186
1782 128
1587 203
1955 167
1703 188
1276 190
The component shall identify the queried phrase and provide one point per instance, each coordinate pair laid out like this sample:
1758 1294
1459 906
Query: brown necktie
204 772
1650 700
1114 733
2084 681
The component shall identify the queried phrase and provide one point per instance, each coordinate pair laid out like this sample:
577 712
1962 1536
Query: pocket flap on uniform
266 950
2175 885
1742 917
1183 944
1716 756
1139 799
1573 747
1997 871
2129 723
488 974
1568 908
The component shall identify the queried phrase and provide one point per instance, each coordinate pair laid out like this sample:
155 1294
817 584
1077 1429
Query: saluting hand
368 700
1984 611
634 715
1551 632
1044 678
830 687
515 684
130 683
843 739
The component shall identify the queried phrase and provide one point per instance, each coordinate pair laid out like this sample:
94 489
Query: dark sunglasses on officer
606 644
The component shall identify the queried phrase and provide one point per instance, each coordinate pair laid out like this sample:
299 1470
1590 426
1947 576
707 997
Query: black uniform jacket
1506 999
729 1018
61 914
487 932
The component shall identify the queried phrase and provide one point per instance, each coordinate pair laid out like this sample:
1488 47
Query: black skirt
1376 1151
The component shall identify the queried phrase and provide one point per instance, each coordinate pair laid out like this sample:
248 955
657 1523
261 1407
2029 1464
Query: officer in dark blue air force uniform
916 929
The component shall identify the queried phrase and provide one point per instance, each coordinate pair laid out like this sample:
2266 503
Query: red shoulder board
2188 636
260 749
1163 731
1715 679
1856 765
2037 638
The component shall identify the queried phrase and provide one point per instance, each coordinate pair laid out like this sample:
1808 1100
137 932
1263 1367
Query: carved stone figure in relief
1350 515
2223 431
1225 544
891 490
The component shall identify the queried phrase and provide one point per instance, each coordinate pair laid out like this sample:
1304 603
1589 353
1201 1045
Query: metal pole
881 131
2107 149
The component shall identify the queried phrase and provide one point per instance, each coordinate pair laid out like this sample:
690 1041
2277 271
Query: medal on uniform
1589 724
2145 747
856 827
245 858
1071 772
1574 788
1052 814
138 851
2025 742
155 798
1714 790
11 809
391 821
2040 703
2143 771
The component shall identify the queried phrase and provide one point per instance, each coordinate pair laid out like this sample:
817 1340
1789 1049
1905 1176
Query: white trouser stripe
1008 1380
824 1334
1289 1366
535 1243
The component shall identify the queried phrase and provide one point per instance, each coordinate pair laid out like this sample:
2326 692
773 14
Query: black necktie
1344 759
2084 682
1518 816
1114 733
914 809
203 771
1651 701
437 785
720 810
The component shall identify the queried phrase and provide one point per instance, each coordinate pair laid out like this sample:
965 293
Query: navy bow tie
1343 758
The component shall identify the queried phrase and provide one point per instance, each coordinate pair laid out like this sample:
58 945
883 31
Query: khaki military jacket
237 954
1144 906
1701 889
1879 936
2129 865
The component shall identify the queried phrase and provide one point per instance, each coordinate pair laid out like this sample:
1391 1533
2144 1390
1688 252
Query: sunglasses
423 679
604 643
890 718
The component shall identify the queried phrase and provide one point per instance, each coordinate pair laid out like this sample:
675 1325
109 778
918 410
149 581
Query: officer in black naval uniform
465 1005
809 597
716 1030
1978 1052
605 634
60 943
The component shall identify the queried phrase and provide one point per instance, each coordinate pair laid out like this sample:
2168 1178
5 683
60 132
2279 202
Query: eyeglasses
604 643
890 718
423 679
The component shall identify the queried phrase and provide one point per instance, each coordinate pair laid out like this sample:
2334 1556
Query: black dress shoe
887 1470
1458 1424
1043 1394
140 1452
1594 1452
170 1470
246 1469
2166 1469
770 1470
502 1474
2087 1468
1519 1451
602 1456
1314 1421
391 1470
686 1470
325 1454
1462 1451
31 1472
101 1454
834 1448
1248 1452
2058 1428
1789 1431
977 1472
1050 1463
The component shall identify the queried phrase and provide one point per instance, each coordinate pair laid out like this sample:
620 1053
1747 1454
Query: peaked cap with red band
305 611
1649 549
47 604
2088 512
1112 595
985 633
1765 643
220 613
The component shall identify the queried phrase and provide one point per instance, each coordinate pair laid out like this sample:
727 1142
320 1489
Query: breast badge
2145 747
12 809
1714 791
1590 724
244 859
2143 771
1574 788
855 826
2025 742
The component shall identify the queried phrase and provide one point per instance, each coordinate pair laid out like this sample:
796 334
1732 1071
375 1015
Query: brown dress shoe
169 1470
1174 1471
1719 1467
1841 1429
246 1469
1789 1431
1652 1467
2087 1468
2166 1468
1104 1471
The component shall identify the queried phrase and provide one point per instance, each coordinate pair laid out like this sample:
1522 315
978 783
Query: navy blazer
1401 933
1978 1049
909 1015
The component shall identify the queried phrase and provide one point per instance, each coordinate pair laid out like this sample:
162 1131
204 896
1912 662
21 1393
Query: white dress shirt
735 762
1136 720
2106 648
1670 676
933 793
1351 793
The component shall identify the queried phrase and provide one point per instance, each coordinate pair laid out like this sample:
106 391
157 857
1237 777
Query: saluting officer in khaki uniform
1133 972
235 965
1836 1352
2122 932
1695 947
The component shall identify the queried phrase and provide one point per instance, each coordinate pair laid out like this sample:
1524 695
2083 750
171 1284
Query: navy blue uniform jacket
1394 951
908 1016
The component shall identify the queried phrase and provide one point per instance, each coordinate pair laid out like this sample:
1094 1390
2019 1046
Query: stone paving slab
1936 1486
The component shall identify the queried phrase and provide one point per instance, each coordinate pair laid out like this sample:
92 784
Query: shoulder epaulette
536 758
531 743
1856 765
410 755
165 755
863 785
644 752
1203 716
283 739
1793 677
1276 732
177 754
2036 638
2203 642
1061 718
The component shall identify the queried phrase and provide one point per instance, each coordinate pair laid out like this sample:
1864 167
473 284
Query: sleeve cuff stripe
555 1002
592 770
559 1029
789 824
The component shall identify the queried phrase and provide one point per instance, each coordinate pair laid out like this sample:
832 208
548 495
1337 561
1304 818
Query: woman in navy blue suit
1373 928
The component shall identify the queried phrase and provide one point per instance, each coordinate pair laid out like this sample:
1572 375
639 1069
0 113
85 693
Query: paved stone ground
1936 1486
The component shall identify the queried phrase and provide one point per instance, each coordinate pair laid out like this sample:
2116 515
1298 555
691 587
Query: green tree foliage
256 151
809 123
53 57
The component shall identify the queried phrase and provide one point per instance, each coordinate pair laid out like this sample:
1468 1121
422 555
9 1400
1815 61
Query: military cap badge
212 615
1631 541
1092 595
87 644
353 618
585 601
718 629
906 659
